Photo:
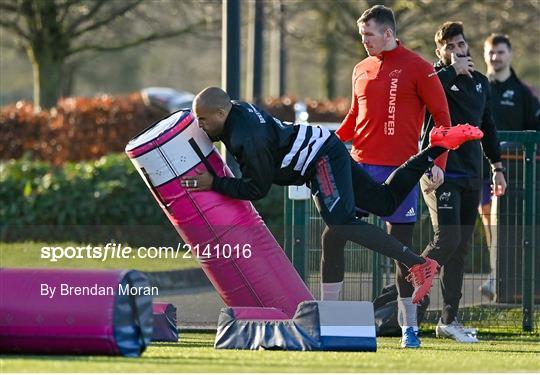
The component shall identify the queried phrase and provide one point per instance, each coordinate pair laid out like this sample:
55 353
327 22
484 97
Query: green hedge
93 201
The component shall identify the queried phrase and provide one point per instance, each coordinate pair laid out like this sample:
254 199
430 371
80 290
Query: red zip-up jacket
390 95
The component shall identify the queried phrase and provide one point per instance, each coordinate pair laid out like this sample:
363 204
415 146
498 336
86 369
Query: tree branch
534 4
68 3
66 6
119 12
79 21
133 43
9 7
28 12
13 44
14 28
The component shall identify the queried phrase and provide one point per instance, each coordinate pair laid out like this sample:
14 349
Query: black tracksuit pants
340 185
453 209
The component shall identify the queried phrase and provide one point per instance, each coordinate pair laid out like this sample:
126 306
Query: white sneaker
471 331
488 288
454 331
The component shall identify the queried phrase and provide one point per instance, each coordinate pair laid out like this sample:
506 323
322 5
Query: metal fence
515 248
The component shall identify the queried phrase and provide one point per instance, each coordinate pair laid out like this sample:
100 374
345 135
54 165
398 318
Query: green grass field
195 353
28 254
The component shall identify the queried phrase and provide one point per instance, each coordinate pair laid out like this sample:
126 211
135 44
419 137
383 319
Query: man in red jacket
391 89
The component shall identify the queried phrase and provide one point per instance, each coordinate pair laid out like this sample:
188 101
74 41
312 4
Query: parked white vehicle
167 98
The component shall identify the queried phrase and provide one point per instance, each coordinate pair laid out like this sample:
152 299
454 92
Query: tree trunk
47 49
68 79
330 47
47 73
330 66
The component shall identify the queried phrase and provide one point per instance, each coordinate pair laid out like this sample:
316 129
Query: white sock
407 313
331 291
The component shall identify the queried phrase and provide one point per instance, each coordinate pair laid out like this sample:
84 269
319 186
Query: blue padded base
340 343
303 332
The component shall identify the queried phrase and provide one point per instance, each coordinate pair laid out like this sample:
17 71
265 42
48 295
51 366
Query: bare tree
54 33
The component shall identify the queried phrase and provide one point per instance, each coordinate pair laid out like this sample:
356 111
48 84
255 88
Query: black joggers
453 208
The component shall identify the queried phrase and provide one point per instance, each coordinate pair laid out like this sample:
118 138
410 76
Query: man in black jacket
269 151
513 104
453 206
514 107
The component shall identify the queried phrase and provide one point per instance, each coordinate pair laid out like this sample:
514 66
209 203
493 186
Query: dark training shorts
406 212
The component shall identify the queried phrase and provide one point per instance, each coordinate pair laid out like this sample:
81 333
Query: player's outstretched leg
406 177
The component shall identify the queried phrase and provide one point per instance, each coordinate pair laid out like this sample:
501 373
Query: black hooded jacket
468 102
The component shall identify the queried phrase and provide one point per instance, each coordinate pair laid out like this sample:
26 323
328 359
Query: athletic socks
331 291
407 315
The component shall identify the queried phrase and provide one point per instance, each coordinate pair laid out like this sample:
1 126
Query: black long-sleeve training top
468 102
513 105
268 151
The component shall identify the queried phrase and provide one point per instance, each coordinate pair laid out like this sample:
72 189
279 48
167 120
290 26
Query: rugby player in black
514 107
453 206
513 104
269 151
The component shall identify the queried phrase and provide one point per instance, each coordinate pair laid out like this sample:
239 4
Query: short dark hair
495 39
448 30
381 14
